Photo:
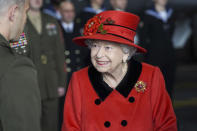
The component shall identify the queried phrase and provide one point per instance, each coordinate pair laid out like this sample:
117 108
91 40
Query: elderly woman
114 94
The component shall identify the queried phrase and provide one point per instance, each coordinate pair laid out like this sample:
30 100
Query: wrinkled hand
61 91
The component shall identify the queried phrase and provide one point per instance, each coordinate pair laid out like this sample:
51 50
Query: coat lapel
101 88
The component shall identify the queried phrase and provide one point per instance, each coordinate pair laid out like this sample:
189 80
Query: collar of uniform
3 41
92 10
67 26
124 87
152 12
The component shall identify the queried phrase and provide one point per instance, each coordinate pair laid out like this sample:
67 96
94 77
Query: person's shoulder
150 12
83 71
22 63
151 69
20 60
148 68
51 22
10 63
146 65
6 58
49 18
18 71
81 75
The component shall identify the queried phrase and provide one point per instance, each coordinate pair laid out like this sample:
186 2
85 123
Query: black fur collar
124 87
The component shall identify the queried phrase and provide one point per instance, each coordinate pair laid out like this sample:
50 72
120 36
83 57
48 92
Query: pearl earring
123 61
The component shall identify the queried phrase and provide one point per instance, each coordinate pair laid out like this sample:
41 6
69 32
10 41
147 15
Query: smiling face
67 11
107 57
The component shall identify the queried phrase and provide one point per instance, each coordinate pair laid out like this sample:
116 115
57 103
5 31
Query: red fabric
151 110
81 40
121 18
122 30
129 34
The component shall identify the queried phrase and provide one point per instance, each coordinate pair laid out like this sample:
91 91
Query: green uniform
20 103
47 53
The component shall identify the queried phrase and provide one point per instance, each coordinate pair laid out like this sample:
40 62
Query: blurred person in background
52 9
20 103
156 36
47 52
76 56
79 4
94 7
119 4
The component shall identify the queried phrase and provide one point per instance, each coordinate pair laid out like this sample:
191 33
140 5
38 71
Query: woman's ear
133 51
12 12
128 55
125 57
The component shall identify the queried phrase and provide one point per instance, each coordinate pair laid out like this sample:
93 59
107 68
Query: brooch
140 86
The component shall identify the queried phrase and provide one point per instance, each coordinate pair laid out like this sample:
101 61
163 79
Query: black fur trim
125 86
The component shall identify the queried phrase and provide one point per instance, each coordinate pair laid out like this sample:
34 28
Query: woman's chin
102 69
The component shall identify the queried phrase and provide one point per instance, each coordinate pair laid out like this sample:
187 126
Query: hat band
121 32
120 37
121 26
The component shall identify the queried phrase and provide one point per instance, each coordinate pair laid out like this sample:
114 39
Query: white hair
128 50
5 4
125 48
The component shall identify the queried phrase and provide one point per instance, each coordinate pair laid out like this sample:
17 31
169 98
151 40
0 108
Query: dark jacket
76 57
20 103
47 53
87 13
156 37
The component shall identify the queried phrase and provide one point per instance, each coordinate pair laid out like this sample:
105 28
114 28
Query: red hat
115 26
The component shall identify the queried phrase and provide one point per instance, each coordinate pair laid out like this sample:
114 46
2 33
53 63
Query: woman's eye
94 45
108 48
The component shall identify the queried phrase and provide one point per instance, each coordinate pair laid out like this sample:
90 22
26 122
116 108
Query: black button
124 123
107 124
97 101
131 99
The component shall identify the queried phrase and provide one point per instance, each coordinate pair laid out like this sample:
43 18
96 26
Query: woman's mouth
102 63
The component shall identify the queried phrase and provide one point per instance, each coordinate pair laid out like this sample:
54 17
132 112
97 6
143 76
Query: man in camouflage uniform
20 103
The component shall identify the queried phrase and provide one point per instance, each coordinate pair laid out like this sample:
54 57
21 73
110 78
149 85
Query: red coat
91 105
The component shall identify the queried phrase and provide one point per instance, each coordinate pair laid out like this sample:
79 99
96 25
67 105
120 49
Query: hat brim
81 40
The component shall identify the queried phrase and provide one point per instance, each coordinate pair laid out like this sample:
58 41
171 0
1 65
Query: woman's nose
100 52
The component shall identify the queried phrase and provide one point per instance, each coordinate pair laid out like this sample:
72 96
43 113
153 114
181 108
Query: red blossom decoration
92 26
109 21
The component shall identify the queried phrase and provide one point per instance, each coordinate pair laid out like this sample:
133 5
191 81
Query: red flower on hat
109 21
92 26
